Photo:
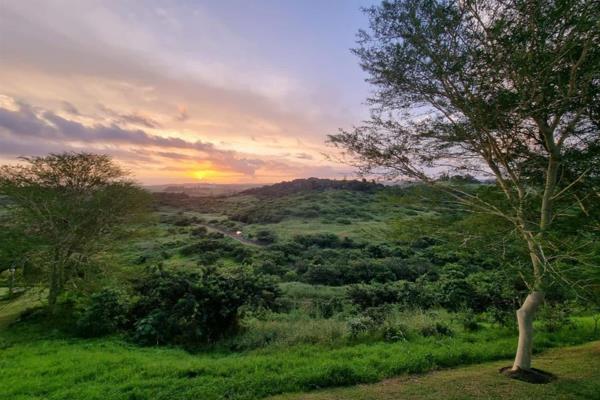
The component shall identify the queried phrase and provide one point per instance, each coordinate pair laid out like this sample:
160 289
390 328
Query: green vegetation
496 89
578 369
64 207
35 365
317 283
347 309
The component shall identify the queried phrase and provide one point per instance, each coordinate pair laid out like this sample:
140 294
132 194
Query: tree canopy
69 203
502 89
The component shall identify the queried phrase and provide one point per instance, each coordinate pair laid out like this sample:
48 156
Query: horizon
218 92
200 183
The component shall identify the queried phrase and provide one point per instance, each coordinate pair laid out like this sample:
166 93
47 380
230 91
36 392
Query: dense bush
105 312
554 317
436 329
265 215
265 237
360 325
404 293
322 240
210 249
199 231
395 332
495 292
452 291
192 308
469 322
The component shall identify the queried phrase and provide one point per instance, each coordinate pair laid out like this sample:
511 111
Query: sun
202 174
212 175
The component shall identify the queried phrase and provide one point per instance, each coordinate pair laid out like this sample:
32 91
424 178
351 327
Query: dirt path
577 368
232 235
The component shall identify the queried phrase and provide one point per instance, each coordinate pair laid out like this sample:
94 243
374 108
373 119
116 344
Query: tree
507 89
70 203
14 257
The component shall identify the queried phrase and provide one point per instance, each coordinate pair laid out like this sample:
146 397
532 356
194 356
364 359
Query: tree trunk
56 281
54 286
525 316
11 285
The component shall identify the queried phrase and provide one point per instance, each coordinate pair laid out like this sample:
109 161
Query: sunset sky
218 91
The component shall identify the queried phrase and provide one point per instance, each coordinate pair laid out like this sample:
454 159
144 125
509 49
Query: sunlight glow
205 174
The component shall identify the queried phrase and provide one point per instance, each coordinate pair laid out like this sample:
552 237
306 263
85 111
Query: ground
578 370
302 350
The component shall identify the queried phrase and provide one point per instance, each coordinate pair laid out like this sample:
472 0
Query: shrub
395 332
105 313
183 221
209 250
192 308
326 308
199 231
322 240
373 295
452 290
493 291
555 317
469 322
266 237
360 325
270 267
436 329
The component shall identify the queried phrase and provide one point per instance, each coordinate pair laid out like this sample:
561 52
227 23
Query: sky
221 91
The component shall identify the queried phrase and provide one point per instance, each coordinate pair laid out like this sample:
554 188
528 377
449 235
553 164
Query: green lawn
577 368
38 364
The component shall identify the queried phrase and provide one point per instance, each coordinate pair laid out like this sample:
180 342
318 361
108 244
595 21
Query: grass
35 365
281 355
354 214
299 290
577 368
287 229
10 310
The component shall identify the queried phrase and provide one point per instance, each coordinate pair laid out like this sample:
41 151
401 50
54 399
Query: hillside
371 283
304 206
313 184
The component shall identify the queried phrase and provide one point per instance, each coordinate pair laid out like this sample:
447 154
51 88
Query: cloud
182 114
202 61
134 118
70 108
46 126
304 156
23 121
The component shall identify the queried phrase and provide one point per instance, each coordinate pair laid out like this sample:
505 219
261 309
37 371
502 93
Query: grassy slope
578 369
332 205
43 366
50 366
10 310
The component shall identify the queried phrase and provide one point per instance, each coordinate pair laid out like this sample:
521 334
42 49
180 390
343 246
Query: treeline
313 184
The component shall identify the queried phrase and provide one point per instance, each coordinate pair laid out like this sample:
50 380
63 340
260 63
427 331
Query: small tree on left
71 204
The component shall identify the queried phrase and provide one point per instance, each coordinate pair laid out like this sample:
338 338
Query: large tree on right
505 88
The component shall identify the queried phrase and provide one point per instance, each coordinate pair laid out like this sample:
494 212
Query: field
37 365
371 286
578 369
